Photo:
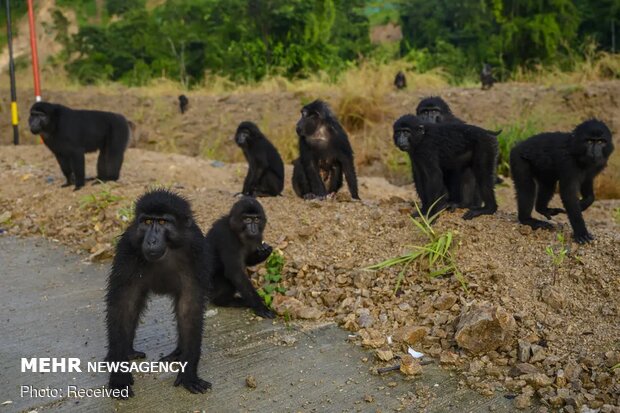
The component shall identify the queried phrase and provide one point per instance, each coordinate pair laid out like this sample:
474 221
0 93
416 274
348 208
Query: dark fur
183 103
266 170
437 149
400 81
540 162
231 248
486 76
436 110
69 134
325 154
168 258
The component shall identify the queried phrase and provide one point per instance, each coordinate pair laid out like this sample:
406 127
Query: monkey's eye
247 220
161 221
148 221
257 219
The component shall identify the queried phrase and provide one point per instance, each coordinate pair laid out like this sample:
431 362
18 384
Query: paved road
51 305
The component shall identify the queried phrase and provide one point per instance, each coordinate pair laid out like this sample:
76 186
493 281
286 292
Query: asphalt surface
51 305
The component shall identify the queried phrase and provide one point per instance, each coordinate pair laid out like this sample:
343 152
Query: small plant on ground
126 213
273 278
99 201
616 214
557 253
438 252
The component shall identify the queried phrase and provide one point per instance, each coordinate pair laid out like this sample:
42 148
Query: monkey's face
243 137
157 232
253 225
308 124
430 114
39 121
402 139
592 142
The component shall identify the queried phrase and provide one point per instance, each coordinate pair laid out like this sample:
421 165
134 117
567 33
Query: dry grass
592 66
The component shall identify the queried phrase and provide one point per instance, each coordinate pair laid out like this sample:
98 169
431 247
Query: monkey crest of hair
162 201
434 109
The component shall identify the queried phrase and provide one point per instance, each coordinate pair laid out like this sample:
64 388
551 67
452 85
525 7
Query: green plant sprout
557 254
272 286
99 201
438 252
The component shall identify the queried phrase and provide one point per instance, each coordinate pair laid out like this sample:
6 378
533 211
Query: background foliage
134 41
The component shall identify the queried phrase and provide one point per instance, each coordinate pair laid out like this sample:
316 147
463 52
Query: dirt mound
206 129
568 331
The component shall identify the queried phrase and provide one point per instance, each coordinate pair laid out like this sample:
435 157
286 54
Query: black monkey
69 134
266 171
324 154
183 103
572 159
486 76
439 148
434 109
400 81
163 252
234 242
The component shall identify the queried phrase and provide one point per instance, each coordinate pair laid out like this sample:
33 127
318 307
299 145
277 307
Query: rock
365 319
372 338
560 378
289 340
537 380
332 297
368 398
524 368
448 358
362 279
552 296
410 366
484 327
410 334
524 400
292 307
476 367
524 351
538 353
384 355
250 381
445 301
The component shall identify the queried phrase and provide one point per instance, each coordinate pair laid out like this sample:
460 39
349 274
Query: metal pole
33 50
14 115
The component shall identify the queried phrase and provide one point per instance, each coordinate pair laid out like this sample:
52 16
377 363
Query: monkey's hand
264 250
192 383
264 312
121 381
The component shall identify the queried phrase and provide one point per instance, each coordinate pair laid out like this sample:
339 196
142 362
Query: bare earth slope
326 244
